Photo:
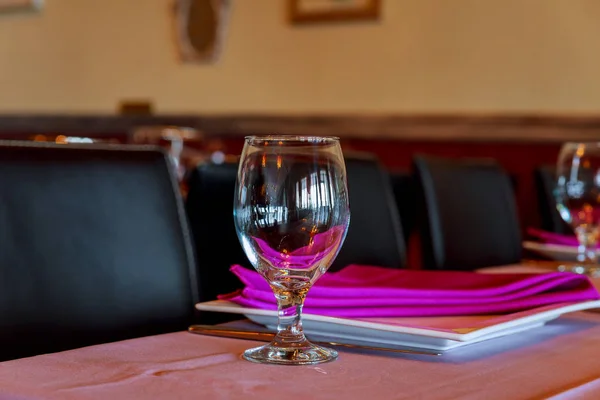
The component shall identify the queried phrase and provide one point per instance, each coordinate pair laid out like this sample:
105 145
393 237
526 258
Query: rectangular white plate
558 252
433 333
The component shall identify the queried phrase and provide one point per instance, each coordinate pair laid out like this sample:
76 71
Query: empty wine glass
578 200
291 214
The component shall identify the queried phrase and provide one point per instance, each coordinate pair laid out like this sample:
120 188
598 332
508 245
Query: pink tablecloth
560 360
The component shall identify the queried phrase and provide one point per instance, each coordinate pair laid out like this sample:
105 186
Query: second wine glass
578 200
291 214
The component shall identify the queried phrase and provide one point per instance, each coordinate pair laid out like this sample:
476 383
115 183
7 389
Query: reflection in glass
291 214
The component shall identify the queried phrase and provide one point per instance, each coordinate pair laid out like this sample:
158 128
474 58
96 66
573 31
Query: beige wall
424 56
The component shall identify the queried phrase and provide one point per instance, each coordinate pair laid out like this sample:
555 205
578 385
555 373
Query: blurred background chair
374 237
375 234
404 189
545 184
94 247
209 206
468 216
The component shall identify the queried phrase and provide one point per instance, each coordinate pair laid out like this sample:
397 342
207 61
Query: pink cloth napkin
366 291
552 238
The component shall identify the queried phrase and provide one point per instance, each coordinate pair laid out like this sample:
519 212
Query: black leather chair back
405 192
374 236
93 247
209 207
545 184
468 214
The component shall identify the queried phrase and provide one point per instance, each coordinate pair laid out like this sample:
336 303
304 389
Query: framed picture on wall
20 5
201 26
315 11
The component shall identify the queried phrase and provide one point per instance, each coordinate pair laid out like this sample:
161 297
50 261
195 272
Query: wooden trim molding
479 128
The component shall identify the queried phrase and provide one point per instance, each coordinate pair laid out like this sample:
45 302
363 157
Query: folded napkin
553 238
366 291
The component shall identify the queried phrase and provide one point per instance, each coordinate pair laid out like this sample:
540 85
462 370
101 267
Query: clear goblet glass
291 214
578 200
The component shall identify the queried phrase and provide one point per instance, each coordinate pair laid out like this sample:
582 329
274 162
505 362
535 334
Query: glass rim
299 139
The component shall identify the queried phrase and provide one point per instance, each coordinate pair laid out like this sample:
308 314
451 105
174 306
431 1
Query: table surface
560 360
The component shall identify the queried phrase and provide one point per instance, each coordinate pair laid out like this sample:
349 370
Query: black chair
404 188
209 207
468 214
94 247
374 236
545 184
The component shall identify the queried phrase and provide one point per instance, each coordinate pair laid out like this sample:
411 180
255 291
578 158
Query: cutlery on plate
237 333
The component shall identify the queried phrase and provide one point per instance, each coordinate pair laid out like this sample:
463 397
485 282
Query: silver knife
238 333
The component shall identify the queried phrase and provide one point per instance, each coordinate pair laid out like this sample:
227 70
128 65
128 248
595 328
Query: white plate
432 333
558 252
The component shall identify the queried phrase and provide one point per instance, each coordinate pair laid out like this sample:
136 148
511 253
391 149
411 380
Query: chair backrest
545 184
374 236
94 247
209 207
405 192
468 214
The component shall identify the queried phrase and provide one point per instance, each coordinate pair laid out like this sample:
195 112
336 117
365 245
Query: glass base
591 270
291 354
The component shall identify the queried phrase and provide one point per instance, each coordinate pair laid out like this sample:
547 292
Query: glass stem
289 305
588 240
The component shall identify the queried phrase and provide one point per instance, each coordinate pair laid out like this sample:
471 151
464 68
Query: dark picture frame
201 27
310 11
9 6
